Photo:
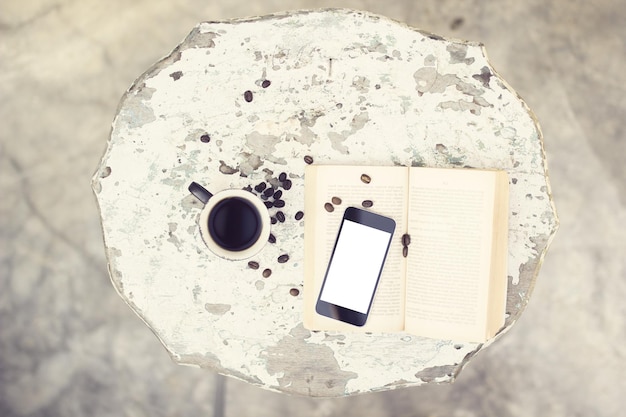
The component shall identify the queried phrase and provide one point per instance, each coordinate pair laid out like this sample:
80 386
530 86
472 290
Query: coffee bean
294 291
278 194
260 187
329 207
299 215
308 159
267 272
247 188
366 178
273 220
336 200
406 239
268 204
283 258
405 251
282 177
253 265
248 96
287 184
272 238
268 192
205 138
367 203
266 83
279 203
280 216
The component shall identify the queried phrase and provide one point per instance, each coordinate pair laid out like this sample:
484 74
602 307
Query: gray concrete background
69 345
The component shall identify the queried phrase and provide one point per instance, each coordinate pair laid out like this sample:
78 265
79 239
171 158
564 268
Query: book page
388 192
450 223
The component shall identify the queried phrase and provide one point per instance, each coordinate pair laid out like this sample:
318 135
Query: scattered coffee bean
329 207
308 159
278 194
282 177
366 178
279 203
336 200
268 204
283 258
205 138
266 83
248 96
367 203
294 291
280 216
287 184
299 215
273 220
267 272
405 251
406 239
268 192
253 265
260 187
272 238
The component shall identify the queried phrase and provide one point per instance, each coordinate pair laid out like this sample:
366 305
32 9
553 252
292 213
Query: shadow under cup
234 224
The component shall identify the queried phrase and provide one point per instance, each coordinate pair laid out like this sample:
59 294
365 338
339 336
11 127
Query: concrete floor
69 345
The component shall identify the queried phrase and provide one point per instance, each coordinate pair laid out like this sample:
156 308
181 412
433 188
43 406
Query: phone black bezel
366 218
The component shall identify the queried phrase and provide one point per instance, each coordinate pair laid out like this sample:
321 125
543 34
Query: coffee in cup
234 224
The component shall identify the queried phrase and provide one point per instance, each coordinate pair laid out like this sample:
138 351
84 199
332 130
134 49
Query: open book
452 282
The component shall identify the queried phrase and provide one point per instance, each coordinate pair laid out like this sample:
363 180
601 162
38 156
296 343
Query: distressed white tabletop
239 102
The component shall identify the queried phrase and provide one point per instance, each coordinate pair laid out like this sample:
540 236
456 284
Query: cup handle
200 192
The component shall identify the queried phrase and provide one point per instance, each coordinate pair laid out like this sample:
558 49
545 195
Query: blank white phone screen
355 266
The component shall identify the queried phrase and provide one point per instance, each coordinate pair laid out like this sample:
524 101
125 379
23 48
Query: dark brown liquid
234 224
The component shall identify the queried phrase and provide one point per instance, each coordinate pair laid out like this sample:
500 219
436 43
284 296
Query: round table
242 101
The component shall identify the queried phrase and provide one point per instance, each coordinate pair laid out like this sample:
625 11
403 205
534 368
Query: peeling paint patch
196 292
361 84
428 80
307 120
249 163
436 372
463 105
430 61
262 145
191 204
176 75
314 371
199 39
484 77
226 169
333 337
134 110
172 237
359 121
336 141
217 309
458 53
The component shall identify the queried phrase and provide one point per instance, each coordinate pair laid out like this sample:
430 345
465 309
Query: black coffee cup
234 224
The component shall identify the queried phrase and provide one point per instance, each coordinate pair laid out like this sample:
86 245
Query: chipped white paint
346 87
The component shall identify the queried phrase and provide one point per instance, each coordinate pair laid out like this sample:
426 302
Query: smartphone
355 266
